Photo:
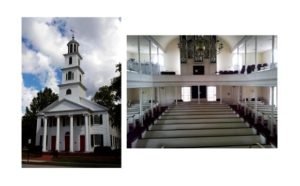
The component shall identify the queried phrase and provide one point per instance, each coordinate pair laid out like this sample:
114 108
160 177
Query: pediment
63 106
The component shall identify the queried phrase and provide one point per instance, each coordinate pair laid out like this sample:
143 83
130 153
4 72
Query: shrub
102 150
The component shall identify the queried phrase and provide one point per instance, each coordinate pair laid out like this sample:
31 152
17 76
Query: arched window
70 60
71 48
70 75
69 92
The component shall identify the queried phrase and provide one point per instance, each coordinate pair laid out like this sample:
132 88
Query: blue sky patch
58 75
61 26
31 80
29 44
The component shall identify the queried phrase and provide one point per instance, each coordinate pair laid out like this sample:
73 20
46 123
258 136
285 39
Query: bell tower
71 86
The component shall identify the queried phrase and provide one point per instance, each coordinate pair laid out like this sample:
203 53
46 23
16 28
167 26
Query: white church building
74 123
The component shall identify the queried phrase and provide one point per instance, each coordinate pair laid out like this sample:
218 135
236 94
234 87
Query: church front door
82 143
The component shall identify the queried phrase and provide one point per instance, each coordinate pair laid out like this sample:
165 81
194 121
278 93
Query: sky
44 41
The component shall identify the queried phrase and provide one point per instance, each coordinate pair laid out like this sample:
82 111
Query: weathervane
72 33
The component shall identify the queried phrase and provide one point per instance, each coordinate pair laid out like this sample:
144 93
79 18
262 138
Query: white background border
157 166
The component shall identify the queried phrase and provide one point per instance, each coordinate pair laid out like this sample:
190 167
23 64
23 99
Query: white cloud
102 46
28 94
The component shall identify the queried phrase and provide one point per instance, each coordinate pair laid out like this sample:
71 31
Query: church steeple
71 86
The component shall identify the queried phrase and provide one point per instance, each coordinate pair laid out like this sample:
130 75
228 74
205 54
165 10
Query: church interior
202 91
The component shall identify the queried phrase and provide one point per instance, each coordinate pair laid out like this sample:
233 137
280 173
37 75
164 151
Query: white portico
74 123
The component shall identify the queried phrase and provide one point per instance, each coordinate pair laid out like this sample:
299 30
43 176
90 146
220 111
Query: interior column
221 94
199 93
45 135
158 98
175 95
255 50
238 97
57 132
272 112
152 92
141 107
273 50
71 133
255 97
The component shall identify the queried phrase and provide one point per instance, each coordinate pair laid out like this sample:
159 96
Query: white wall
224 59
172 57
229 94
77 131
133 95
266 56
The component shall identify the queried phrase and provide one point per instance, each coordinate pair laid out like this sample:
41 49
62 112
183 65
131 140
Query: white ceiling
230 40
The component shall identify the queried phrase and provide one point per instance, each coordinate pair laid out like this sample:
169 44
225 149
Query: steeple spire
72 33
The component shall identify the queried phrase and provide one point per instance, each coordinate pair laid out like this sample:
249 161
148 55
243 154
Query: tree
105 96
38 103
110 97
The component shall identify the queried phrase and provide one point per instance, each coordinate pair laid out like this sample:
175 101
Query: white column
158 95
152 92
256 54
238 95
151 70
273 50
158 98
86 123
107 137
255 96
221 96
38 127
57 132
71 134
175 95
139 55
141 107
45 135
245 106
245 57
198 93
272 113
232 95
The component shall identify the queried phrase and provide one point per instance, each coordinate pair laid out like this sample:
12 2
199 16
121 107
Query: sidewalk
47 160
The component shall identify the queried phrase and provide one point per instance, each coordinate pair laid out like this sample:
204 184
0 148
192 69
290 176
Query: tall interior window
186 94
237 60
161 60
211 93
275 50
132 54
70 60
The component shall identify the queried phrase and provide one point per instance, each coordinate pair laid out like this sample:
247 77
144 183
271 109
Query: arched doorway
67 141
